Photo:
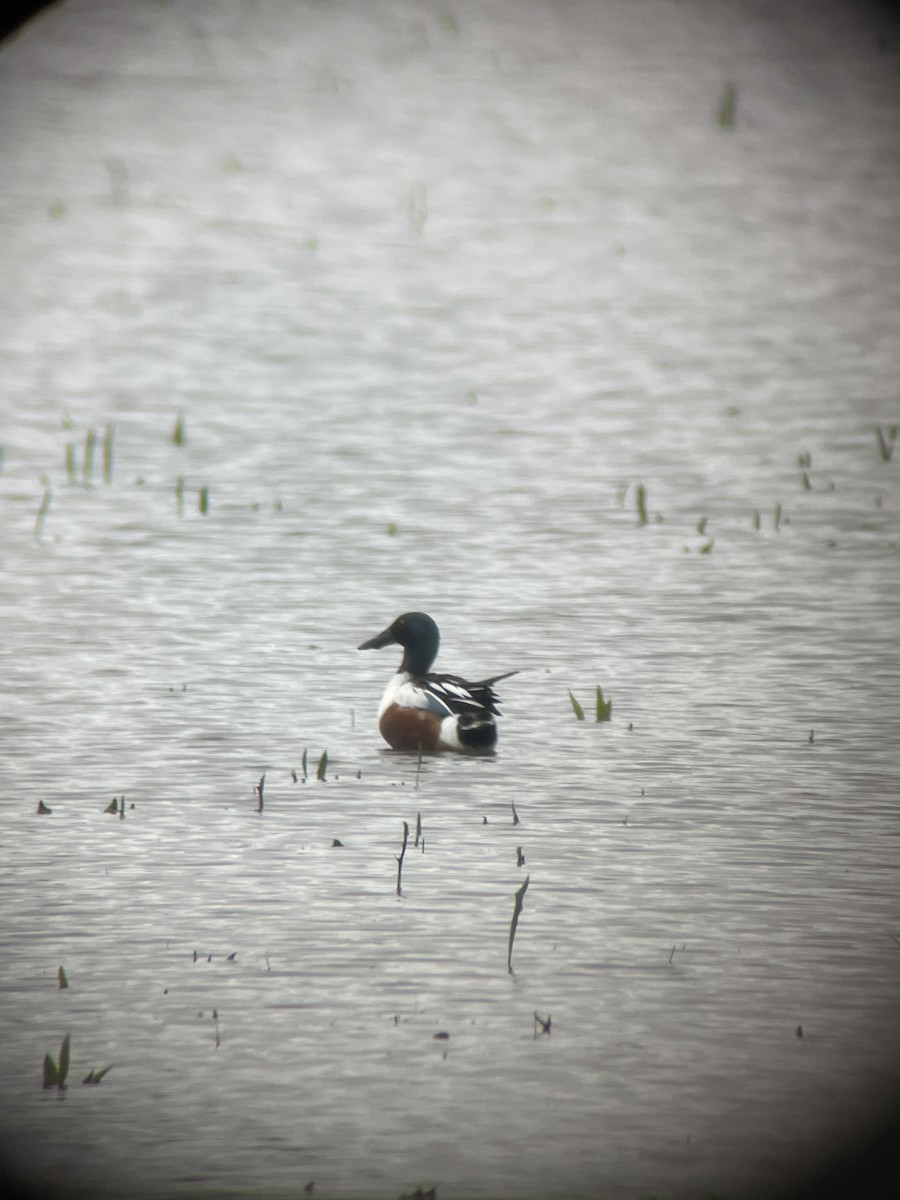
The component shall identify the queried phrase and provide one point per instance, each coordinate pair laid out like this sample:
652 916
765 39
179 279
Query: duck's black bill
378 641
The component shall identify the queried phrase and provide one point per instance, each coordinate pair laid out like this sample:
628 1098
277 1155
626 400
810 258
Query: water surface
434 289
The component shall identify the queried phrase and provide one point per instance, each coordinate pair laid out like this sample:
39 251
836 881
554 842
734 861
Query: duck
428 712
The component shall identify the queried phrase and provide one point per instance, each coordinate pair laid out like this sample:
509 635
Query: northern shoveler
428 712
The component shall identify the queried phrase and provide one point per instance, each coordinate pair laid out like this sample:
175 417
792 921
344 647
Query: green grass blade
641 502
576 707
64 1052
51 1072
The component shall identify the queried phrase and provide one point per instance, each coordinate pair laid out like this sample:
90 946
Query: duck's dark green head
419 637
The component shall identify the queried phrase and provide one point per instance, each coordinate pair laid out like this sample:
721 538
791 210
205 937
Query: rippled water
434 290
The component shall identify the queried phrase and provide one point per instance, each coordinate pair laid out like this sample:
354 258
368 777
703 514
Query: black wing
457 695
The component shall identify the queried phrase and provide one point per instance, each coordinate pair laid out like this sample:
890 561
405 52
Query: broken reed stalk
539 1022
520 900
259 791
401 856
419 831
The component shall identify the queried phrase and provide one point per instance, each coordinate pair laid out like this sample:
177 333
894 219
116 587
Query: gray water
434 289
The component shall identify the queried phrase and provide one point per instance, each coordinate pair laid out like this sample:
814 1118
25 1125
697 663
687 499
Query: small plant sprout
322 767
61 978
603 707
56 1073
70 463
178 430
44 508
576 707
94 1076
886 441
417 208
179 495
777 517
203 501
701 526
304 764
109 442
641 503
260 787
90 441
728 107
520 901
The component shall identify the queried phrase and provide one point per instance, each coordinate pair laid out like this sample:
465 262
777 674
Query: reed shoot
576 707
90 441
94 1075
603 707
56 1073
641 502
109 441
